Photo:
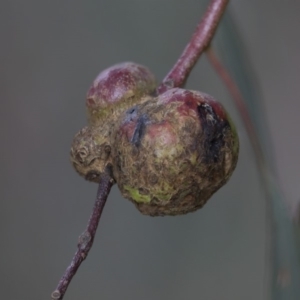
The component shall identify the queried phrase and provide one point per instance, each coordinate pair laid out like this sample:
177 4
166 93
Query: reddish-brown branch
197 45
86 239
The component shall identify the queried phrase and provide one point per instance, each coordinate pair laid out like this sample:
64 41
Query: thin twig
197 45
240 104
254 140
86 239
282 253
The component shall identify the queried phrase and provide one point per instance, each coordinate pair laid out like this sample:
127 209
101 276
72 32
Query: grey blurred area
50 53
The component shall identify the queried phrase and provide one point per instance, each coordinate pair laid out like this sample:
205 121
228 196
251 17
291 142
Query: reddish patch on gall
162 130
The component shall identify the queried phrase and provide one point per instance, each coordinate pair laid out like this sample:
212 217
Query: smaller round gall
112 92
116 89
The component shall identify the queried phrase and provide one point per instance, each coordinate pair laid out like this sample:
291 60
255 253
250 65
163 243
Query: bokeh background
50 53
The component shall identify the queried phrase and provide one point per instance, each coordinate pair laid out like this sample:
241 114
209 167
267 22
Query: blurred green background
50 53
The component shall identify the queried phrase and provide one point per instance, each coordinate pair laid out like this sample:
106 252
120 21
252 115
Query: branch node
84 239
55 295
